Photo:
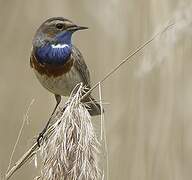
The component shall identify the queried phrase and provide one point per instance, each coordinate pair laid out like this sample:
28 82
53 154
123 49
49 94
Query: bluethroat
58 64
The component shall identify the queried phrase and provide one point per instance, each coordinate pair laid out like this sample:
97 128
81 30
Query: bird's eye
59 26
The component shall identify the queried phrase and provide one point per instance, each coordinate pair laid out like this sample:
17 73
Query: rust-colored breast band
51 70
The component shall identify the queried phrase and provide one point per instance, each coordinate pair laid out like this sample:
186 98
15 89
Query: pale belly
61 85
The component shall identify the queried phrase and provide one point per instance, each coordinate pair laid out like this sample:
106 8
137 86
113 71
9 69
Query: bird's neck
64 37
56 54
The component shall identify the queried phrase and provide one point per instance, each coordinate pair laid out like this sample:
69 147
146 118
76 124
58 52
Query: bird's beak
76 28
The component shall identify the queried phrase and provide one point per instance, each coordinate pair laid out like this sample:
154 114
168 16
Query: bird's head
57 31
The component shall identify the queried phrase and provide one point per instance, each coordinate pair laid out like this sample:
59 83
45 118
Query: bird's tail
93 106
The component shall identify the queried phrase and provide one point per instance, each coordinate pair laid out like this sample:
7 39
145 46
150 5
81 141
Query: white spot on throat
59 46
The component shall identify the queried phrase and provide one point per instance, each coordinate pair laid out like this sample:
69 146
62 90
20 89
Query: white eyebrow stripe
59 45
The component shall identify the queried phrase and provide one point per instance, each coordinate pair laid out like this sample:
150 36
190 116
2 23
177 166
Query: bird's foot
40 137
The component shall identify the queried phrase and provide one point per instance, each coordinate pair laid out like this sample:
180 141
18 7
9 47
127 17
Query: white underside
61 85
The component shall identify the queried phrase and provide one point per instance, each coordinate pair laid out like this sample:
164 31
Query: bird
58 64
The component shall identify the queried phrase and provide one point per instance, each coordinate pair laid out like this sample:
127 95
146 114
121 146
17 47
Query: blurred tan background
149 119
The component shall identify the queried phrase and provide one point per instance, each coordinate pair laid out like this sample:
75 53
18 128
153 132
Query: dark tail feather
93 107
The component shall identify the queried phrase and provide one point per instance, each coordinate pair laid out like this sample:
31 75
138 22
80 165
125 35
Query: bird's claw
40 138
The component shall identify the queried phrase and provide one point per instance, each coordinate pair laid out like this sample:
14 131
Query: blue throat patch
56 54
53 54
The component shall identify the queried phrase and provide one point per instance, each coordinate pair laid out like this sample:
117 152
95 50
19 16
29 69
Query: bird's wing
81 66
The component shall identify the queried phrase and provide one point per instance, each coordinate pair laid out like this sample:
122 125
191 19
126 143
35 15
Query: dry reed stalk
71 151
